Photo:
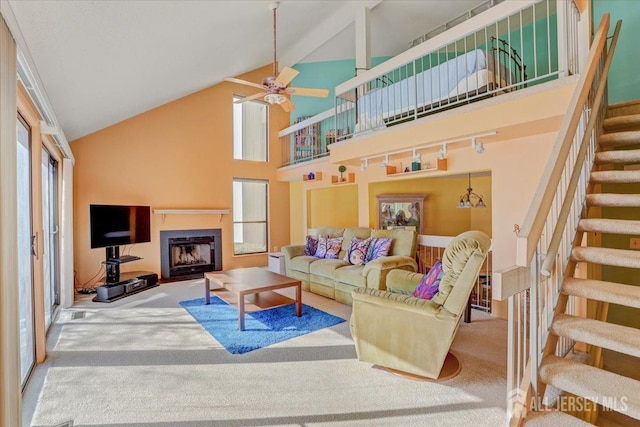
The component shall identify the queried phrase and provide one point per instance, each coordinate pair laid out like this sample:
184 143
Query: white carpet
144 361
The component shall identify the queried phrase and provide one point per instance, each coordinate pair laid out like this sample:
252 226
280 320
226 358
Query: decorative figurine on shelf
406 169
311 176
342 169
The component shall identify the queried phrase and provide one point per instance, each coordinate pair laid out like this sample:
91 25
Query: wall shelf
441 165
318 177
165 212
350 179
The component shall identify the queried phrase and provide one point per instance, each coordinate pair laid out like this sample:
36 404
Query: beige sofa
336 278
396 330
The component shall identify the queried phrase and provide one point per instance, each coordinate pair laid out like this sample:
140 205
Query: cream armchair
413 335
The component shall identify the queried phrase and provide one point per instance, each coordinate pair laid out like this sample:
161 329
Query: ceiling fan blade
244 82
250 98
286 75
288 106
304 91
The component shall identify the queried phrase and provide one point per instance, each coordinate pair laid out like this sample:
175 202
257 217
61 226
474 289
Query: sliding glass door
50 229
26 242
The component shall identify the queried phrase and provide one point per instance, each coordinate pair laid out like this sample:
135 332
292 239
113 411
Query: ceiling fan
275 88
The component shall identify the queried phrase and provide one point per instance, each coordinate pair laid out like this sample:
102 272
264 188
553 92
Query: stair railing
549 232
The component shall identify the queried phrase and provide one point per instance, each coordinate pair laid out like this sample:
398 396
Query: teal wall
326 75
624 79
546 37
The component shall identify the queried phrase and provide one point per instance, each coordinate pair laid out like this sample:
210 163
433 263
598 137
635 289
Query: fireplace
188 254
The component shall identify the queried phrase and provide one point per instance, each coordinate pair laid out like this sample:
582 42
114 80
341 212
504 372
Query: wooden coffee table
251 289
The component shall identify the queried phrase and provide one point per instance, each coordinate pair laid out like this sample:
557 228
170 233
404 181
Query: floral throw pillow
328 247
379 247
333 247
310 246
429 284
321 250
357 251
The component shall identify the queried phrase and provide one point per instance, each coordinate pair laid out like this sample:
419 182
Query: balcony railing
508 47
513 45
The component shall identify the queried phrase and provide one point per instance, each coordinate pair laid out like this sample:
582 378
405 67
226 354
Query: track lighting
364 165
385 162
477 145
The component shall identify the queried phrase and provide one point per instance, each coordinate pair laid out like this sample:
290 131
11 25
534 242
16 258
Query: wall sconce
385 162
364 165
465 199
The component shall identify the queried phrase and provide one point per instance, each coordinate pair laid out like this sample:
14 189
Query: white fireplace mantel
165 212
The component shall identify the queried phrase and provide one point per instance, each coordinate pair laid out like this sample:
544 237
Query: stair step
609 226
610 390
620 139
553 419
615 177
622 122
613 199
622 339
617 156
616 293
623 108
606 256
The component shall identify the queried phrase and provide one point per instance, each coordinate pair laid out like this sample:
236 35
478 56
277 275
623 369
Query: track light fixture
477 145
364 165
385 162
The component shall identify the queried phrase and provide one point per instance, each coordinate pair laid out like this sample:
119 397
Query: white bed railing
508 47
549 232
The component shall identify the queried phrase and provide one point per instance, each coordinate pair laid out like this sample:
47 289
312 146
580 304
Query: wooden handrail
536 217
556 238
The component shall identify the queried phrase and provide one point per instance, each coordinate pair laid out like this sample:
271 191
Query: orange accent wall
335 206
441 215
176 156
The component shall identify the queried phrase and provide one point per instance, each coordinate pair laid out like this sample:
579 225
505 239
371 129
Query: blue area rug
262 328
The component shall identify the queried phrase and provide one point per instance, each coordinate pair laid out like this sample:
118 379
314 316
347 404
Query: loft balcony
514 46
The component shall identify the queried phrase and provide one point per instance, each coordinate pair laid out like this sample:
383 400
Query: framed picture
401 211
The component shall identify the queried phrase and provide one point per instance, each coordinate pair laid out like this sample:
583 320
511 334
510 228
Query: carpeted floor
144 361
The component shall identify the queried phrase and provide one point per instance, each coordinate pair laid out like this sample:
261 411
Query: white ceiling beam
363 39
318 35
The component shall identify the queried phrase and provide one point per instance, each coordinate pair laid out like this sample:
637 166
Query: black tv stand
131 283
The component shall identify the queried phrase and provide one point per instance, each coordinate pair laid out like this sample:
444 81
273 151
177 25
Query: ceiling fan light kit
275 88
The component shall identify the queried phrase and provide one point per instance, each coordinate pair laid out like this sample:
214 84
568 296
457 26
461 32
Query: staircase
614 164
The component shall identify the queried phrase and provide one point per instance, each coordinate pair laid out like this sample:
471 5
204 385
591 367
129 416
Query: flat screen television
117 225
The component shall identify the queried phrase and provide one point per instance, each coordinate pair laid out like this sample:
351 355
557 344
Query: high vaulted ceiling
103 61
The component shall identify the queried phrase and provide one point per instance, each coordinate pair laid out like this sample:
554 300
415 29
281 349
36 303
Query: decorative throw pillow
429 284
328 247
357 251
310 246
379 247
321 250
334 245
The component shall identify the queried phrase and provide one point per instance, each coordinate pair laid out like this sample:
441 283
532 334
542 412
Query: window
250 130
249 216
